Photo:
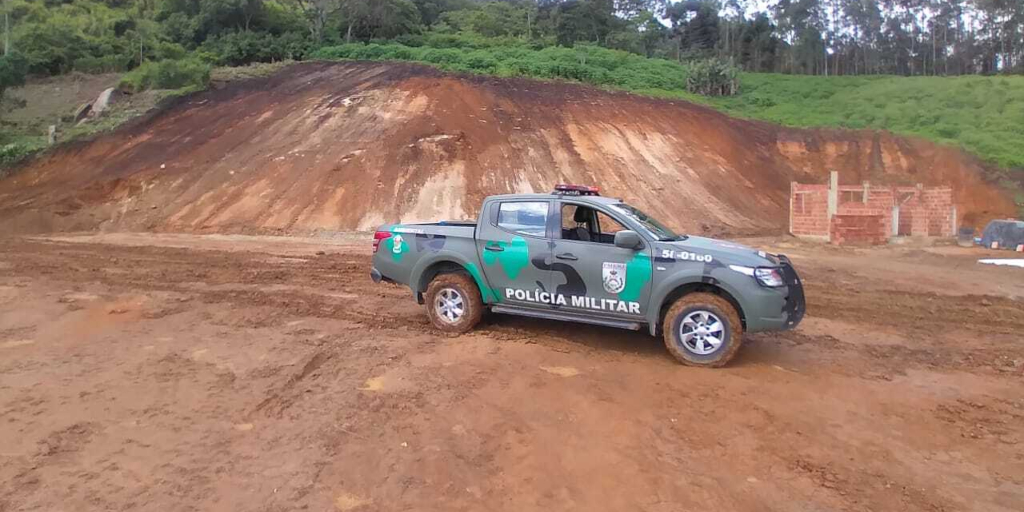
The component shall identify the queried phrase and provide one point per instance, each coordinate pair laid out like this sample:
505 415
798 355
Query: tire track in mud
335 286
922 313
277 401
330 286
352 297
884 361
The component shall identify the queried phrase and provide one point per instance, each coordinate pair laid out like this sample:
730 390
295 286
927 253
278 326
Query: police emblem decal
613 275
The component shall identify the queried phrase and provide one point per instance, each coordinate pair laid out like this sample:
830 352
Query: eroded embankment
352 145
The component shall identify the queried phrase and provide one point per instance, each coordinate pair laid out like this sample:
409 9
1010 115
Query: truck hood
725 251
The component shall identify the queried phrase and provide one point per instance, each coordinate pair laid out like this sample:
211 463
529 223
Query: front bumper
796 302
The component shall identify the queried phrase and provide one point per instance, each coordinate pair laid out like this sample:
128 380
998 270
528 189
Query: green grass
983 115
585 63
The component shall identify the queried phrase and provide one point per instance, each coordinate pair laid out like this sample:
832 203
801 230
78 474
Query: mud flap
796 303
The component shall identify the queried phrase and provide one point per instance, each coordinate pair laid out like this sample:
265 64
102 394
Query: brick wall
879 202
808 210
858 229
922 212
938 205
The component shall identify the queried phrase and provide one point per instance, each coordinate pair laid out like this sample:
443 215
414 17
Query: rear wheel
703 329
454 303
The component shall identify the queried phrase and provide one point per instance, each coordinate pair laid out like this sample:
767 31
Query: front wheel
703 329
454 303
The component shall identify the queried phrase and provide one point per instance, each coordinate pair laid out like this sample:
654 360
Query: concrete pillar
52 136
833 193
867 188
833 199
792 199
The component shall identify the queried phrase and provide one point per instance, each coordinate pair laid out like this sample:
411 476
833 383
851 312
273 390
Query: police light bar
575 190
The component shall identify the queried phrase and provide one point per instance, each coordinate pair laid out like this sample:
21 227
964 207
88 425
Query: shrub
13 153
13 68
240 48
167 74
713 77
105 64
507 57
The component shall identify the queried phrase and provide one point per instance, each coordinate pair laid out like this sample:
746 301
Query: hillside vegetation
984 115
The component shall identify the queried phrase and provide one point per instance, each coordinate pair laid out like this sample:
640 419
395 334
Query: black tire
688 352
466 290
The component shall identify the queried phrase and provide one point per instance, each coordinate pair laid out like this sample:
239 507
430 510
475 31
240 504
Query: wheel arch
684 289
436 268
426 271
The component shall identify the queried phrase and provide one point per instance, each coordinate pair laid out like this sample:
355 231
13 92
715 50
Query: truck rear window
524 217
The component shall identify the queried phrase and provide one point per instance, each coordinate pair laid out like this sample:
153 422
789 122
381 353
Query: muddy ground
161 372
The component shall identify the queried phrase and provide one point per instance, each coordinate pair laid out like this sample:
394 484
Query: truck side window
524 217
588 225
608 227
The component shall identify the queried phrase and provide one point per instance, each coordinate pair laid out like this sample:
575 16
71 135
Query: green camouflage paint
638 273
486 293
396 251
514 258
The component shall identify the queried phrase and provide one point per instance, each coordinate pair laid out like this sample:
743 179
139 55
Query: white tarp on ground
1012 263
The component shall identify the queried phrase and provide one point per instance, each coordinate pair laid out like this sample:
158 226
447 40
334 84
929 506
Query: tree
759 44
318 12
695 26
493 19
576 21
13 68
432 10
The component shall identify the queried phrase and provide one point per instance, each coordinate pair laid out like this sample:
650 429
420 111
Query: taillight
377 237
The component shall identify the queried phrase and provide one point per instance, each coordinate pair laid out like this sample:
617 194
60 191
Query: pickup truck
574 255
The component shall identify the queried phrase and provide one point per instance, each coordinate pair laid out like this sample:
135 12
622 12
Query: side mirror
628 240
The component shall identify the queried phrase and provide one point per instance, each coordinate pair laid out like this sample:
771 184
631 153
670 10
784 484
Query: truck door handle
567 256
494 248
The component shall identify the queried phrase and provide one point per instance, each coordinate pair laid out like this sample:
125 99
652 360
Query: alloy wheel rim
449 305
701 332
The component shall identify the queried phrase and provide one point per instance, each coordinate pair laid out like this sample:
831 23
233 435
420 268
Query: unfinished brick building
866 214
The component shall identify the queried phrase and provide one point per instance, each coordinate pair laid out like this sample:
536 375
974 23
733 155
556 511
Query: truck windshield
653 227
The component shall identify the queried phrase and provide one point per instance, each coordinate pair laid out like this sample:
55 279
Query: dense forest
821 37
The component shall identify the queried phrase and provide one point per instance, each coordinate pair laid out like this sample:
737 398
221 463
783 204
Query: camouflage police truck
576 256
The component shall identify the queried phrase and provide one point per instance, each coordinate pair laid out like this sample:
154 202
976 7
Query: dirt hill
353 145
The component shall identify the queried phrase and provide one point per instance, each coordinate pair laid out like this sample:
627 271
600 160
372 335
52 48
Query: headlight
747 271
770 277
767 276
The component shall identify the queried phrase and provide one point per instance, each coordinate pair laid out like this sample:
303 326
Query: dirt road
160 372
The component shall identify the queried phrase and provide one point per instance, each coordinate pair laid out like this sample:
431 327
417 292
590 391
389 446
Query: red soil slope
353 145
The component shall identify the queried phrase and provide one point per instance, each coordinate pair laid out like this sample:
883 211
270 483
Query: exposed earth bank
352 145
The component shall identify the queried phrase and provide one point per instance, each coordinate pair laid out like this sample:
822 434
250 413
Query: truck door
600 278
514 243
